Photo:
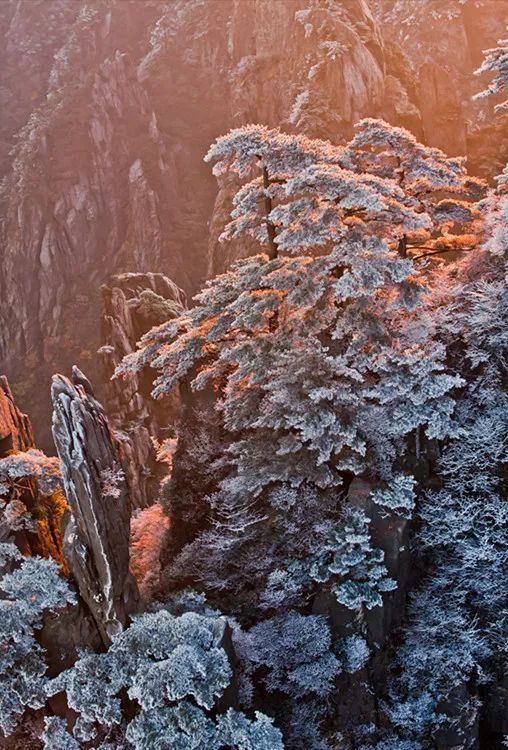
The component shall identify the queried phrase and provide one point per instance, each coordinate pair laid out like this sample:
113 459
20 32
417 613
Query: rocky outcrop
96 538
131 305
30 514
26 58
89 193
15 428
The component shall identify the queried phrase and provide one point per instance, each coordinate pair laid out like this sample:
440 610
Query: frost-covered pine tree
17 470
295 649
31 464
306 196
356 569
318 355
439 185
174 670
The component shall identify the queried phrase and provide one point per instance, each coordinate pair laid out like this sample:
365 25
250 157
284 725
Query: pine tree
296 651
306 196
438 184
495 62
356 569
318 355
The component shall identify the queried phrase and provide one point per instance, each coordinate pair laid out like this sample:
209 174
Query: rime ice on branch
311 193
496 62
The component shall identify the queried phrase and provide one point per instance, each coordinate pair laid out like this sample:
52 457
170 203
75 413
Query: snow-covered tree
32 502
296 649
322 359
174 669
32 464
353 652
17 471
236 730
307 196
312 350
30 587
496 63
322 364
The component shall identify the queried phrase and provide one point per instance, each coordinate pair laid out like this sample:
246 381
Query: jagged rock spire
96 538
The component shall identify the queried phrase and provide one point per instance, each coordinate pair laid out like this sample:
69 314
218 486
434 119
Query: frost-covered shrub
296 650
148 530
353 653
235 730
31 587
32 464
56 736
393 743
23 474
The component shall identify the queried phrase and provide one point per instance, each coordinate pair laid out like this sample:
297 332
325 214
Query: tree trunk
402 247
272 246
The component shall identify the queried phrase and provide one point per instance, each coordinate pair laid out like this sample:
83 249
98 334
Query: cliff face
112 104
434 47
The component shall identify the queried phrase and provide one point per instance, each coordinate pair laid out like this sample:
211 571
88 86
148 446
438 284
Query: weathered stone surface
496 712
15 427
461 732
96 538
434 47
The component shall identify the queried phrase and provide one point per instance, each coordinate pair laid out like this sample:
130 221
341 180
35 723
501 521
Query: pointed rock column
96 538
